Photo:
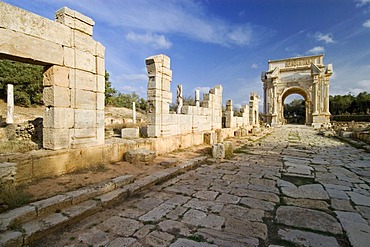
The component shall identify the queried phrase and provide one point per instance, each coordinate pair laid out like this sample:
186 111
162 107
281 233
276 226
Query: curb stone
22 226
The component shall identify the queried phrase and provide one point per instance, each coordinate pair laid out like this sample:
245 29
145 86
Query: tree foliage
117 99
27 81
295 111
349 104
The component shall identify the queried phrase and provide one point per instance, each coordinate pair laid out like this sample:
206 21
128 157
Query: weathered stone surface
174 227
266 196
246 228
94 237
176 213
157 213
306 203
199 218
206 195
308 218
122 226
130 133
310 191
357 229
205 206
227 198
341 205
302 238
142 155
182 242
218 151
122 242
359 199
145 230
258 204
158 239
222 238
238 212
7 172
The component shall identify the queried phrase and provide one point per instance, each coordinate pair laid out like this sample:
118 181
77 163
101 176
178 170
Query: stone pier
10 104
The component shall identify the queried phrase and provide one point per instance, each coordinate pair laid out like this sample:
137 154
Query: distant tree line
28 86
295 111
350 104
117 99
27 81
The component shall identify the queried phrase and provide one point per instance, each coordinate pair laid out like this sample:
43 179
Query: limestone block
154 82
85 118
99 50
57 96
100 119
75 20
130 133
55 138
24 168
86 133
100 83
69 57
60 118
83 42
100 136
28 47
218 151
100 66
208 138
154 130
56 75
143 155
85 61
86 99
84 80
20 20
7 172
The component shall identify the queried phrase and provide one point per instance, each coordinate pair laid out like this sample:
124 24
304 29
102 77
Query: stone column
10 104
179 99
264 98
197 96
326 103
315 112
133 112
274 106
229 114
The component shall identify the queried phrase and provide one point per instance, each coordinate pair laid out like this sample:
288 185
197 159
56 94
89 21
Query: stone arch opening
296 118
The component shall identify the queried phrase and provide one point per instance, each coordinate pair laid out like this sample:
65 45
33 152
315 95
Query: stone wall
234 122
193 119
74 71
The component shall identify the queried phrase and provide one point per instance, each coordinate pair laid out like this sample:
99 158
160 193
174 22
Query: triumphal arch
306 76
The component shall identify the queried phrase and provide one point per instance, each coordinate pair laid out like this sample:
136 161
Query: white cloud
316 50
154 40
254 66
203 89
327 38
366 23
361 3
188 18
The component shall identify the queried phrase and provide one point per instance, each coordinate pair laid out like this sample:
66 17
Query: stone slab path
293 188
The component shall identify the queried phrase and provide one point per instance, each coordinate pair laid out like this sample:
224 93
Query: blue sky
227 42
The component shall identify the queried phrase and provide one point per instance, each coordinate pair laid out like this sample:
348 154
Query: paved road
293 188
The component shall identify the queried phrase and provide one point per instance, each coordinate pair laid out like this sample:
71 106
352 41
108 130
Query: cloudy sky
227 42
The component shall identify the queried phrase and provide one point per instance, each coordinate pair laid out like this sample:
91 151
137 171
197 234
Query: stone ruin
74 84
74 72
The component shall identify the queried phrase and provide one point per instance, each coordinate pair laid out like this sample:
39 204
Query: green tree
295 111
27 81
110 92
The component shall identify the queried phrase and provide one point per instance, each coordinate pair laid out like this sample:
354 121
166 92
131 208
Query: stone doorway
295 109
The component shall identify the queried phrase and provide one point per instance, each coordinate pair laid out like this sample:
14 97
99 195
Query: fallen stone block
7 172
130 133
143 155
218 151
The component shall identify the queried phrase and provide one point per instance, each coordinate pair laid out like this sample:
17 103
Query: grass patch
13 196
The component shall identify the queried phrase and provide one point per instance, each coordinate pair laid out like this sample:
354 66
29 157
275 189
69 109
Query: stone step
23 226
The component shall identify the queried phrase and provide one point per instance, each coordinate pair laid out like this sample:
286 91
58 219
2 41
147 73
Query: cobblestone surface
293 187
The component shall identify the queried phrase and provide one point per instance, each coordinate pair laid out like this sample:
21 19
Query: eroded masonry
306 76
74 122
74 71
